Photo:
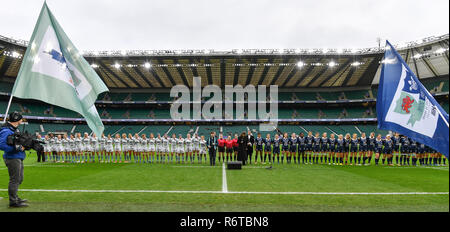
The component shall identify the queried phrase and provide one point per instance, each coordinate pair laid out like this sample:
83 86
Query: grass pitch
185 187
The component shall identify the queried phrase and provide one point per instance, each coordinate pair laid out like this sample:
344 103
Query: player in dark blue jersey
347 141
276 148
301 146
259 148
309 147
378 148
363 147
268 148
285 146
405 143
413 152
354 149
388 149
371 151
292 148
340 145
324 148
316 147
332 150
397 141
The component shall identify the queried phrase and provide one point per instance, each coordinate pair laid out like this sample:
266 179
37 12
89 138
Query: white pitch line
224 179
221 192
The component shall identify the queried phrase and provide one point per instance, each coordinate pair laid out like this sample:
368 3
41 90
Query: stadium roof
287 68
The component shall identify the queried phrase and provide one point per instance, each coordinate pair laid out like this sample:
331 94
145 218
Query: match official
212 146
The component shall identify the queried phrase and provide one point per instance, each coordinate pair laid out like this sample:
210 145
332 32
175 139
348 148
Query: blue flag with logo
405 106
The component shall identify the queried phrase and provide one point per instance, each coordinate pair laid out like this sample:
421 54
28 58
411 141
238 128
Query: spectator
128 98
321 114
342 96
294 97
151 114
319 97
126 114
152 98
106 97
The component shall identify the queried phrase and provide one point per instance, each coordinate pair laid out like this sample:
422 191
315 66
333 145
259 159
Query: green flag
54 71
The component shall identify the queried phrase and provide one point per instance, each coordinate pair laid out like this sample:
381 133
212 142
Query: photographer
13 157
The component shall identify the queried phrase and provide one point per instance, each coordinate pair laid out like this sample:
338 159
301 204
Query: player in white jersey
166 150
117 149
158 142
102 149
195 144
130 147
125 147
47 148
151 147
109 149
58 148
173 148
73 150
144 148
95 147
66 148
180 148
202 148
137 151
53 151
87 149
79 147
189 147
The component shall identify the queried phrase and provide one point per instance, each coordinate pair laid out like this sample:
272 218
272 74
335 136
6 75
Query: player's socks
376 161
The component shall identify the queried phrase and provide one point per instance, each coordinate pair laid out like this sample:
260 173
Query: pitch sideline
228 192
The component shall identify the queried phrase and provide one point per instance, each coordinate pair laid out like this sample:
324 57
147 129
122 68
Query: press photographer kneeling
14 143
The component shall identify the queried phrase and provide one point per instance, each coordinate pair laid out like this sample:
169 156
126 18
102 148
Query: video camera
26 140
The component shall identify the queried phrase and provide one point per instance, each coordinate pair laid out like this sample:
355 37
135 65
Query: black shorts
323 148
267 148
259 148
316 149
235 149
293 149
276 150
301 148
229 150
339 149
363 148
221 149
354 149
285 148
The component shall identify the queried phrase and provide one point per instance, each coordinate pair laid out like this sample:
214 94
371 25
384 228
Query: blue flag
405 106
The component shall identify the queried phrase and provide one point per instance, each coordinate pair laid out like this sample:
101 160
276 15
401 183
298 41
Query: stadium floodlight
355 64
417 56
339 51
147 65
123 52
440 51
15 54
300 64
94 65
332 64
117 65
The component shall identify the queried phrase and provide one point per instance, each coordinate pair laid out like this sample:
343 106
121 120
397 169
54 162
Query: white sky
228 24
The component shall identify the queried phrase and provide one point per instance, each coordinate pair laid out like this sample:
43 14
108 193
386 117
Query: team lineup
310 149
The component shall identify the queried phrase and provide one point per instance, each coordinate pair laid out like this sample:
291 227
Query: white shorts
202 151
151 148
109 148
117 148
180 150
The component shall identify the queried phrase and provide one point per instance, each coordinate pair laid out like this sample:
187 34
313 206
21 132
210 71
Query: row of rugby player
340 150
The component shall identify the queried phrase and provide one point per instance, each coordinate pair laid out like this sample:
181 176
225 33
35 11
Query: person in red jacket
221 147
229 144
235 147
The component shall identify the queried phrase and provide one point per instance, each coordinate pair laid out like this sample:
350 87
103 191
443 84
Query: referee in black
212 147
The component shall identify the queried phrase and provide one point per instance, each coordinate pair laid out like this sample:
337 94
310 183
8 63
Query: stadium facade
331 90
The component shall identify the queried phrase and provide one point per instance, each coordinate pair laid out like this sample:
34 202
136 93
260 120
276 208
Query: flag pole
7 108
442 116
